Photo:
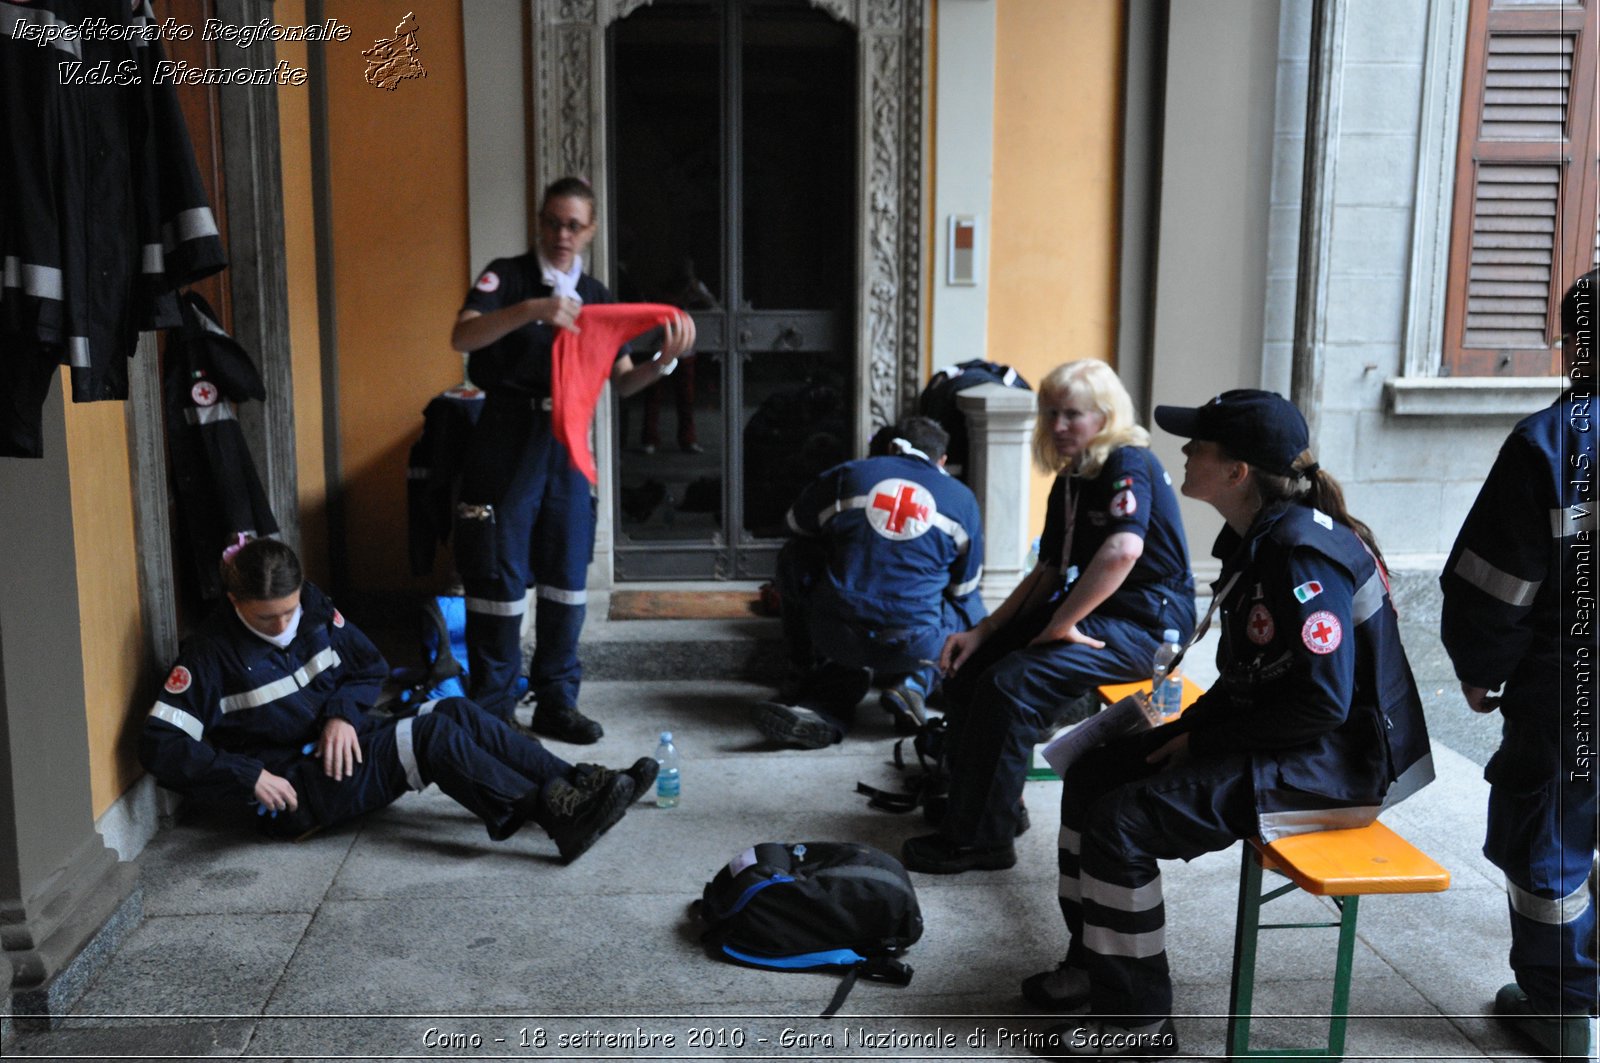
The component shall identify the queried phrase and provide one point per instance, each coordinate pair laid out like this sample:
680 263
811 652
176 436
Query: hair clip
229 551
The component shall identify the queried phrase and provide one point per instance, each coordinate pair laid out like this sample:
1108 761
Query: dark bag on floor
932 780
814 906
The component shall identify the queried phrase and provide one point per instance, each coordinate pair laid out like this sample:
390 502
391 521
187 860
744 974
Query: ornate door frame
570 137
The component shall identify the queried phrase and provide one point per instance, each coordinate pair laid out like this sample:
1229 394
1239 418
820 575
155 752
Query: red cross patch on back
900 509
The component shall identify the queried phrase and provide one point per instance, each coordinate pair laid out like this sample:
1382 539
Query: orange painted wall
305 338
112 631
400 248
1057 145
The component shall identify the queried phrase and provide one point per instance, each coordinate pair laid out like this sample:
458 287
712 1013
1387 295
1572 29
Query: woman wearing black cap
1314 723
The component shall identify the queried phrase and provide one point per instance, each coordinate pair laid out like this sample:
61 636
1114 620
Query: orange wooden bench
1340 864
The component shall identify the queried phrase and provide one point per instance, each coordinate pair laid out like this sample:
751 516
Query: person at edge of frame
527 515
1518 615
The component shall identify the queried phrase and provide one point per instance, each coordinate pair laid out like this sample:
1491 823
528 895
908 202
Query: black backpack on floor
814 906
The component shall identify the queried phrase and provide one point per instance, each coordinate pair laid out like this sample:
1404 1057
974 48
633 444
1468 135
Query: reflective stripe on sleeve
407 754
558 594
222 411
1368 599
1552 911
794 525
956 532
961 590
191 224
41 282
326 658
261 695
489 607
427 706
1567 522
1495 583
183 721
1123 898
152 259
78 352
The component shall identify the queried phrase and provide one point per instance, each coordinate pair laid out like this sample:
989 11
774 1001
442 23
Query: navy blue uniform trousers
474 757
1007 696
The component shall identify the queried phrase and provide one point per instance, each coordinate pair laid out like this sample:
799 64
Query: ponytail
1310 483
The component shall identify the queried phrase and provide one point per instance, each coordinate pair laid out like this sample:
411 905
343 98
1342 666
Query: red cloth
580 364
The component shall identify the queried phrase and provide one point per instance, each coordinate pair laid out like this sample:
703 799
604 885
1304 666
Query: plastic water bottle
1166 686
667 780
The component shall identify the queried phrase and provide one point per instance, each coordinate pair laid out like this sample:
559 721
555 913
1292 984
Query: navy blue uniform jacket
235 704
902 538
519 362
1314 683
1519 591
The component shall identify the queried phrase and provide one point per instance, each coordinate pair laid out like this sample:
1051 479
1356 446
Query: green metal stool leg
1246 930
1349 908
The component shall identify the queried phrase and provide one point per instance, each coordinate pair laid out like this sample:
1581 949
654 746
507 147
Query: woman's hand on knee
958 647
1069 634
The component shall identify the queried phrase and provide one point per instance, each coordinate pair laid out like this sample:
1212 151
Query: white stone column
999 433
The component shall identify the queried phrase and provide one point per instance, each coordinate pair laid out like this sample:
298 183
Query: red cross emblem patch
1260 627
204 393
179 680
1321 632
1124 504
900 509
338 619
488 282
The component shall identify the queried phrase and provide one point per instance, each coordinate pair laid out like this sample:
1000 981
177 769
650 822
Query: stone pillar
999 434
64 899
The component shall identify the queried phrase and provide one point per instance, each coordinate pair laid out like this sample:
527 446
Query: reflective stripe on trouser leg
555 672
447 753
1069 890
494 645
1544 841
1124 932
405 751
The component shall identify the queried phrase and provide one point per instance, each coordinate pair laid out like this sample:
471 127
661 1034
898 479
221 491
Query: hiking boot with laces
565 724
576 815
643 772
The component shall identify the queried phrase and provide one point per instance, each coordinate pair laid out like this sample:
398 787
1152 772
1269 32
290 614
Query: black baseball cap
1259 427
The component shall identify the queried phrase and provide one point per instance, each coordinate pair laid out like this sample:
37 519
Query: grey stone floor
410 934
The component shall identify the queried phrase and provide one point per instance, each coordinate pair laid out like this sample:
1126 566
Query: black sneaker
794 725
576 815
565 724
935 854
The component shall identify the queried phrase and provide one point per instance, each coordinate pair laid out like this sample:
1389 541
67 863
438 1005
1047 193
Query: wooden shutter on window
1524 222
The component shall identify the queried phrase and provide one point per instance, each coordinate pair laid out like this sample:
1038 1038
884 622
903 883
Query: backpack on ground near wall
938 401
814 906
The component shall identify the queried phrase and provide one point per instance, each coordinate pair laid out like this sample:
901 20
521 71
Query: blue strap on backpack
814 906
